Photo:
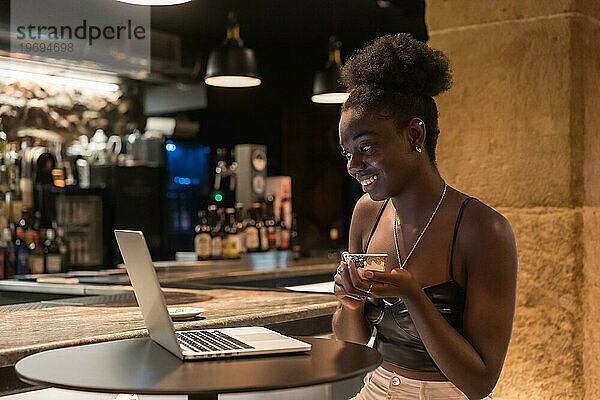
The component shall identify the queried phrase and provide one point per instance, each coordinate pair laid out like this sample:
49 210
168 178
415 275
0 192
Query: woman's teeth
368 181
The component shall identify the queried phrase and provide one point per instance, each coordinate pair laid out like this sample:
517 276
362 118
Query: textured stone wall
587 43
520 130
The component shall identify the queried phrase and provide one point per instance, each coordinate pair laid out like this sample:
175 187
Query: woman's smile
367 182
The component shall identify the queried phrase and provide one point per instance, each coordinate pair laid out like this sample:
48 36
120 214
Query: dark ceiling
281 22
279 27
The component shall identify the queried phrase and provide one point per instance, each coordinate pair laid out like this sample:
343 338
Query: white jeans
382 384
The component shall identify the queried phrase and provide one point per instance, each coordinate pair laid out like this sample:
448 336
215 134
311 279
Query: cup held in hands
372 261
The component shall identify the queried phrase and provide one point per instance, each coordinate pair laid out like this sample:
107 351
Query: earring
421 123
417 148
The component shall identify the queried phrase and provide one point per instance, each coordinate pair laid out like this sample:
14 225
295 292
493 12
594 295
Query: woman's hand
349 295
399 283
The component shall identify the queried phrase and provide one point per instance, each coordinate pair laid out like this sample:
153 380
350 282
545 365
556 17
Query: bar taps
225 171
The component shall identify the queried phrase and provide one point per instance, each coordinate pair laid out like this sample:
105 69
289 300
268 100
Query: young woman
444 313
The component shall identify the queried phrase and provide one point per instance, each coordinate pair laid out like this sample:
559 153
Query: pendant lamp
231 64
327 86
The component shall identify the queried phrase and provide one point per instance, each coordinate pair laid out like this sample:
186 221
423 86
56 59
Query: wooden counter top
199 273
26 332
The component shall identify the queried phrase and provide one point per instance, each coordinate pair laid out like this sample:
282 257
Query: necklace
403 263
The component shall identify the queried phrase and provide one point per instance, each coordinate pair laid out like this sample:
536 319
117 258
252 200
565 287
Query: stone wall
520 130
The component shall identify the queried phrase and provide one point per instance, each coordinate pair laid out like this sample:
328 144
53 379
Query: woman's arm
349 322
471 361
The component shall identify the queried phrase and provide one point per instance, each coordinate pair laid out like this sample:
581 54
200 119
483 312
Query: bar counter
258 270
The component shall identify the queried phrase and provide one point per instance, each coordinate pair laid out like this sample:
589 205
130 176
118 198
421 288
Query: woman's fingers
397 283
395 276
348 300
347 282
357 282
375 276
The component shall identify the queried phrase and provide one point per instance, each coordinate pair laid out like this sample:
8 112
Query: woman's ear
417 133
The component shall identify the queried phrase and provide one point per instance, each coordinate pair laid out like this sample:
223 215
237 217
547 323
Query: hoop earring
417 148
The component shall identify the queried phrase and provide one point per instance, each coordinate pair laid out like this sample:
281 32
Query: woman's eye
365 148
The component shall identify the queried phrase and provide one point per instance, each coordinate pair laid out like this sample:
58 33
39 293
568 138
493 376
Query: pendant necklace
403 263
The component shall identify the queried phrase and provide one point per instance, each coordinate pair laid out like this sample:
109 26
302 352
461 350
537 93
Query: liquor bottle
262 229
36 254
294 239
270 223
52 256
252 233
21 253
284 232
9 253
8 204
39 226
202 240
241 226
222 231
3 212
216 239
25 224
24 221
64 249
17 208
232 244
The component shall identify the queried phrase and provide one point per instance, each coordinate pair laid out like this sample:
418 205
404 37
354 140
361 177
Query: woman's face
379 155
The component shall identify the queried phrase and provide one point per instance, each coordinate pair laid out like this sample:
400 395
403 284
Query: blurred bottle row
27 247
228 233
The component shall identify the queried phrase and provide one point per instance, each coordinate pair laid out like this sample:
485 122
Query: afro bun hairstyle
401 64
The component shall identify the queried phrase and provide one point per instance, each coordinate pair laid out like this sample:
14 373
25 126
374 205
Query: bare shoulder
366 210
363 218
487 240
483 222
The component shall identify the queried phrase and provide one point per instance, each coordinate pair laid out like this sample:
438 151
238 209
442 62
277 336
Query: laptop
191 344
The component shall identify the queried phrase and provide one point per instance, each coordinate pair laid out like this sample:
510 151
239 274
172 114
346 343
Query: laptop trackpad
259 337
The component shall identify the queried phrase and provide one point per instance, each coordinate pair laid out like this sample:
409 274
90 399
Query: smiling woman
444 313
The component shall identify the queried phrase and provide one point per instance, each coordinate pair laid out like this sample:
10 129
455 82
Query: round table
142 366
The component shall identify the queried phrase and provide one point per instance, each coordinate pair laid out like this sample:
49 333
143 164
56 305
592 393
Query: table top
142 366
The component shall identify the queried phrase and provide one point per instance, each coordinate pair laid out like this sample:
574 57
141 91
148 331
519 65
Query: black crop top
397 338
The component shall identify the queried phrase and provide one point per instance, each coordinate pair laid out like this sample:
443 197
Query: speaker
251 180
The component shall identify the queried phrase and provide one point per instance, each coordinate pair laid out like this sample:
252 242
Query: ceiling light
60 80
155 2
231 64
327 86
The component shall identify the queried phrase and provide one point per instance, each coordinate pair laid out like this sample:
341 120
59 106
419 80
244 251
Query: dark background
290 39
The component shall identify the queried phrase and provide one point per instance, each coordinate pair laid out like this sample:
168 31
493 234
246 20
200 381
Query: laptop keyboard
203 341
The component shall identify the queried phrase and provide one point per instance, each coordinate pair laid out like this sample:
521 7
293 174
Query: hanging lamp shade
231 64
327 86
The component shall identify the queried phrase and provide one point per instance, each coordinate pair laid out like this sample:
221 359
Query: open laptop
191 344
